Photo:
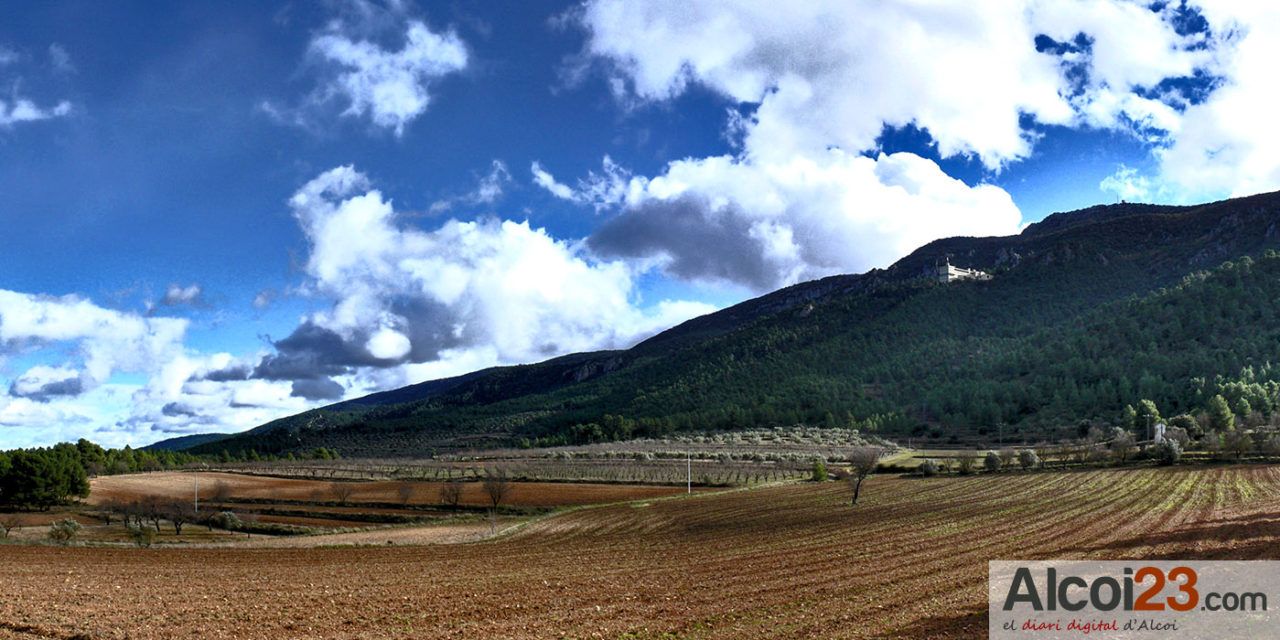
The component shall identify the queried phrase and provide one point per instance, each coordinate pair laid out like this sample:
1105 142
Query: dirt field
779 562
523 494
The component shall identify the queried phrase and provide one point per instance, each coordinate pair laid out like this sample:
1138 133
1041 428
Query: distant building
946 272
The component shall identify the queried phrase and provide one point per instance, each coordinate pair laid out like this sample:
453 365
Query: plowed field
780 562
241 486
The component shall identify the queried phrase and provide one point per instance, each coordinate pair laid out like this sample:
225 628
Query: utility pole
197 501
689 471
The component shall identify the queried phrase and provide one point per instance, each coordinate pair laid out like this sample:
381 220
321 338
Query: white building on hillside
946 272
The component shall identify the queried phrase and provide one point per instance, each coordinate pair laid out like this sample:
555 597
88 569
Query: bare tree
451 493
135 510
1238 442
405 491
179 512
496 486
341 491
151 509
109 510
9 522
1122 444
862 462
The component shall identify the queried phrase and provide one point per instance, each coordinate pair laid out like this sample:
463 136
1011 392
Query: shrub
1168 452
964 464
819 471
1007 458
142 536
1271 446
929 468
226 520
64 531
1186 423
1122 444
1028 459
992 462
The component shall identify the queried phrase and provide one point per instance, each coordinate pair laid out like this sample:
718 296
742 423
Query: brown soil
910 561
242 486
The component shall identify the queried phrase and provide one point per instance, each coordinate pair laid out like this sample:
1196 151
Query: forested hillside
1087 312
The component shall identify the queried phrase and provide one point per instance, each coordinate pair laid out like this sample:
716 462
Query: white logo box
1165 599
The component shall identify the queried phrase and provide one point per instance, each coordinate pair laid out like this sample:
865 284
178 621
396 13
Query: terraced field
266 488
775 562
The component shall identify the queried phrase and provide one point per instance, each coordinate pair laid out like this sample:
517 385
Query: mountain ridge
1135 248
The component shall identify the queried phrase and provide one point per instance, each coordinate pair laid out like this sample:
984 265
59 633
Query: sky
216 214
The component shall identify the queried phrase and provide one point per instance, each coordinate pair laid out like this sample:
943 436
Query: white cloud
820 82
820 75
836 74
16 109
177 294
544 179
388 344
23 110
390 87
1229 144
769 224
600 190
47 401
489 189
42 382
487 291
106 340
1127 184
264 298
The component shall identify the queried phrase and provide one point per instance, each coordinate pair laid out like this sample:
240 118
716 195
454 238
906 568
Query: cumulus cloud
42 383
1228 142
106 340
92 344
768 224
317 389
389 86
817 84
1194 80
836 74
193 392
1127 184
404 296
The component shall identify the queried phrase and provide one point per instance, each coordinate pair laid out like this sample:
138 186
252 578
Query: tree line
43 477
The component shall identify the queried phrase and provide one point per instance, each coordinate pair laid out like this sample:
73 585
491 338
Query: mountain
182 443
1085 312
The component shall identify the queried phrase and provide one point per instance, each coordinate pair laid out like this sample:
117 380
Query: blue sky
219 213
